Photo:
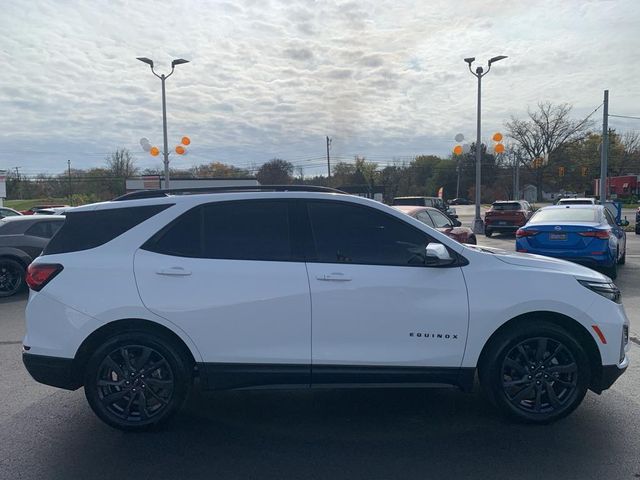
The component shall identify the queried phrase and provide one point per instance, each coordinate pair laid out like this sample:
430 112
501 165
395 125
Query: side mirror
437 255
457 223
624 223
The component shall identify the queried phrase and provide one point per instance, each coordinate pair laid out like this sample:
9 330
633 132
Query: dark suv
22 239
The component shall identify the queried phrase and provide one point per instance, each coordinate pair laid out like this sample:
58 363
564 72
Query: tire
113 373
535 373
612 271
473 240
488 233
623 258
12 275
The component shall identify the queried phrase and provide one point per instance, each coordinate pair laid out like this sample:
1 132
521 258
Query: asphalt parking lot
431 433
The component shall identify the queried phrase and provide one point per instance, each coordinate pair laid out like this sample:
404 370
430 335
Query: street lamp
478 226
162 78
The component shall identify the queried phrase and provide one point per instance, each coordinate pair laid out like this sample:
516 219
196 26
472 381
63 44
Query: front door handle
174 272
333 277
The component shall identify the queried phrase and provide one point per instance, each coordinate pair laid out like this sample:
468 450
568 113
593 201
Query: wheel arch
115 327
569 324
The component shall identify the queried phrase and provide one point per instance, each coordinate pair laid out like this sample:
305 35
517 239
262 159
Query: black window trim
459 259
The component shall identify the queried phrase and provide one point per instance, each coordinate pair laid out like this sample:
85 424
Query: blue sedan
585 234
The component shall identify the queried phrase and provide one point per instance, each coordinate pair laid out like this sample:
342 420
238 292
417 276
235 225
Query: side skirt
239 376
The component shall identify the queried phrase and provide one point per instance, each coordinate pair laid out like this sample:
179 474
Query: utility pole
19 182
604 149
69 176
458 181
516 178
328 158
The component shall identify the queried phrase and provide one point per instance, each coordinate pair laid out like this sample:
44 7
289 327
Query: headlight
607 290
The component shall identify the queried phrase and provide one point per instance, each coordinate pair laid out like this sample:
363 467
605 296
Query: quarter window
355 234
425 218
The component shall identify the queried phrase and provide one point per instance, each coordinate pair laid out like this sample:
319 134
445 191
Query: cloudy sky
269 78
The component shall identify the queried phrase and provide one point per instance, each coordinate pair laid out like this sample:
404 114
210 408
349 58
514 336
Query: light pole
162 78
478 226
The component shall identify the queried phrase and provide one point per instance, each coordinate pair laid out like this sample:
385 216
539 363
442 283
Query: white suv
134 299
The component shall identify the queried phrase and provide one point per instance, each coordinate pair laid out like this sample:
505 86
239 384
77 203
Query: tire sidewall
492 379
21 272
176 361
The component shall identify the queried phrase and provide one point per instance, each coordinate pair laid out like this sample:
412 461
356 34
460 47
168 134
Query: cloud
383 78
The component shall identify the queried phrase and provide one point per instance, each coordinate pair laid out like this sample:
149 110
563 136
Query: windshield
565 215
576 202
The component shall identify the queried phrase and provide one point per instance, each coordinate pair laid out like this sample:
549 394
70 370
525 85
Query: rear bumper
55 371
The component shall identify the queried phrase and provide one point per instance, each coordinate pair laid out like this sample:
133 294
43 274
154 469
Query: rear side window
244 230
85 230
44 229
346 233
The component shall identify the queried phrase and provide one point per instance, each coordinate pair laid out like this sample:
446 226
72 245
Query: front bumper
610 373
55 371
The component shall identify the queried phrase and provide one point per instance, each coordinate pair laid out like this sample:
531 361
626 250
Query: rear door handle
174 272
333 277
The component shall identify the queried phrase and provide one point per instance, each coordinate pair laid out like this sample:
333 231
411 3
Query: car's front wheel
136 380
536 373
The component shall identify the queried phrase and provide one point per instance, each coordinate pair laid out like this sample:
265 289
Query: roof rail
241 188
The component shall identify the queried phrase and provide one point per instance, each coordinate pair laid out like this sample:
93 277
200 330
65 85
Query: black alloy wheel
536 372
12 276
136 381
539 375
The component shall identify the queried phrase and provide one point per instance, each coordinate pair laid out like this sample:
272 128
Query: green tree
275 172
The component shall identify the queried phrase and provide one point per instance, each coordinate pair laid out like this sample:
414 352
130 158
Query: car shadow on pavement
386 434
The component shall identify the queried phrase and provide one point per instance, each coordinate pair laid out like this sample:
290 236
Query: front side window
244 230
345 233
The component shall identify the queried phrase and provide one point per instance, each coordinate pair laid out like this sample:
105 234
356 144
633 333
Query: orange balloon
186 140
497 137
457 150
155 151
499 148
180 150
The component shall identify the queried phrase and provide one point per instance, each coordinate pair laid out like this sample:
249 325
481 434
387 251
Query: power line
624 116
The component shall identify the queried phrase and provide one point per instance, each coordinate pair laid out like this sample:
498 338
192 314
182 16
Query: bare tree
544 133
121 164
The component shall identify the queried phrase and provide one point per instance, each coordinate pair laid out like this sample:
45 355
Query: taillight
525 233
39 274
602 234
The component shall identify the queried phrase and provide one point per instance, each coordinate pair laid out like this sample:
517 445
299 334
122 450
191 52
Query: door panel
235 311
388 315
374 302
225 272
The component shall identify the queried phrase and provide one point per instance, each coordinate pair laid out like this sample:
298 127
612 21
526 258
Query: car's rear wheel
136 380
623 258
12 275
488 232
536 373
